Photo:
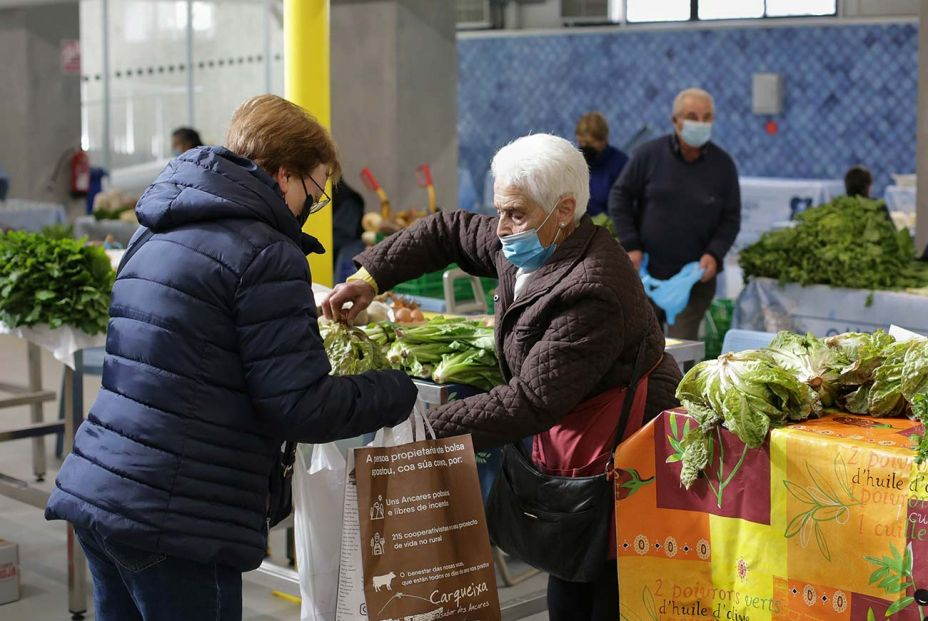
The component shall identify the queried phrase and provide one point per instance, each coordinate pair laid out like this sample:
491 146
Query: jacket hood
212 183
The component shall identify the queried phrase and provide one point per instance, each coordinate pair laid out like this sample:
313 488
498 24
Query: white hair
547 168
692 92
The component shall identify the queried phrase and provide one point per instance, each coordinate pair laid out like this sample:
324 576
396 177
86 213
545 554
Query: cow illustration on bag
384 581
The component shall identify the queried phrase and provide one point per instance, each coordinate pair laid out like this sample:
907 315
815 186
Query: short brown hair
275 133
857 182
594 125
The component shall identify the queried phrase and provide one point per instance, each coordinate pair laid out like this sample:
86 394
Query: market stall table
828 519
98 230
66 345
30 215
767 306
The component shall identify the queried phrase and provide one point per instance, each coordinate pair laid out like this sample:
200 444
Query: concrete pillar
40 109
921 233
394 96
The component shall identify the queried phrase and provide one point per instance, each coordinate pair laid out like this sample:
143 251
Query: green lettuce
865 353
812 361
848 242
746 392
902 376
350 350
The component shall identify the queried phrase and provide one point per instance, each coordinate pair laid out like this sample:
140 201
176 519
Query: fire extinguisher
80 173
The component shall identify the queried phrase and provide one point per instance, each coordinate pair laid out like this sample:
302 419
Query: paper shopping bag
424 543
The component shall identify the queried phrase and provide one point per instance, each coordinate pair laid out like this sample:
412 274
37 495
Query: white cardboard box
9 572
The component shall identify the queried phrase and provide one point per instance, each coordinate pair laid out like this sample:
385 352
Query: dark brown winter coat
572 334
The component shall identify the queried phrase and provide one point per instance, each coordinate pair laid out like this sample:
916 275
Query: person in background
183 139
678 201
4 184
858 181
213 360
605 161
347 211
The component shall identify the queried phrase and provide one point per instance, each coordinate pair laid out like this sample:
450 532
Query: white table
66 345
31 216
765 305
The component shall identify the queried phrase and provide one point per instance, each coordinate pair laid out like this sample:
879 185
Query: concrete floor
42 545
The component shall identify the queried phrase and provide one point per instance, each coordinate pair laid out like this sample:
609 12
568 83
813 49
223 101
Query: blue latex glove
671 295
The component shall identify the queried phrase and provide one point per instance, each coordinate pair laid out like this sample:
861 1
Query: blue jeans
131 584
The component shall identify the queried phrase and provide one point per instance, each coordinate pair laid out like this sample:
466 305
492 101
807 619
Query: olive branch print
893 574
825 505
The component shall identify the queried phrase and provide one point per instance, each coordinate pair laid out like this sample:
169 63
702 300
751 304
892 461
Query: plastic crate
432 286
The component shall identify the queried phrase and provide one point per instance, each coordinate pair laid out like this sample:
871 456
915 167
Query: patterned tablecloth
827 520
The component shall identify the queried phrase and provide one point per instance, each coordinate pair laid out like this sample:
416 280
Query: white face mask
695 133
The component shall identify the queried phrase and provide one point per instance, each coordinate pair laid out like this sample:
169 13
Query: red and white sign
70 56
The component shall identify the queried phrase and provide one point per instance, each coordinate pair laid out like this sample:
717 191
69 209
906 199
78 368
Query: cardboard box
9 572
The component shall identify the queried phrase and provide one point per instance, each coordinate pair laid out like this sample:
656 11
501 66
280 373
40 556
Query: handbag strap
133 248
637 372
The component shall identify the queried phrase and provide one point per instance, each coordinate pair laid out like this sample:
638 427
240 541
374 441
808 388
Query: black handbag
280 498
559 525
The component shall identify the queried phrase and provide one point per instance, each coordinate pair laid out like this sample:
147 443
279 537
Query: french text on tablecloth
678 601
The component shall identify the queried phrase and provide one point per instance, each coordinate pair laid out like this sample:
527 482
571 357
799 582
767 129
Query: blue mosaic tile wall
850 92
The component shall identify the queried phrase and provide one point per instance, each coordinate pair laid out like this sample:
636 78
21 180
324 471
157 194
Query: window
650 11
685 10
784 8
730 9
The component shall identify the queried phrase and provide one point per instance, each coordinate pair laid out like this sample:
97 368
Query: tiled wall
850 92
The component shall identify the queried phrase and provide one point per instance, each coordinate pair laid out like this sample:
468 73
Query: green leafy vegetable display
350 350
448 350
747 393
848 242
902 376
811 361
920 413
865 353
59 282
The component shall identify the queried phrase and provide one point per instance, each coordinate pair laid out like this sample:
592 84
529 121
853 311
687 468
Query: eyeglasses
322 202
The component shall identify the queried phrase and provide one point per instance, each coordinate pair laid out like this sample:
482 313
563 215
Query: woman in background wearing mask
605 161
571 318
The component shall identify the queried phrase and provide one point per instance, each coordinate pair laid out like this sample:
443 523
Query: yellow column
306 82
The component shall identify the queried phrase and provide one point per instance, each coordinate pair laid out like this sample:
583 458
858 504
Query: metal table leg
36 414
77 564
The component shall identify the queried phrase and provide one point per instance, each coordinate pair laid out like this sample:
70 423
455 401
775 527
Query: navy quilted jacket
213 358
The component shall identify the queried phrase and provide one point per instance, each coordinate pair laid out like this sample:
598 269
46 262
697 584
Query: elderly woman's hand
358 293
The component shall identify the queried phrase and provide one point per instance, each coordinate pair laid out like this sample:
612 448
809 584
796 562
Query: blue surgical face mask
524 250
696 134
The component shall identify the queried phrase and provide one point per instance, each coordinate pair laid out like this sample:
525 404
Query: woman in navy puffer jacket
213 358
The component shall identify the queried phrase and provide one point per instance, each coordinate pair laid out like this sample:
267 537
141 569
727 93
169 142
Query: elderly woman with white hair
572 321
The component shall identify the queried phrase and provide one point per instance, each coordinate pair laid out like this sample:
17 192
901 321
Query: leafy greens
849 242
59 282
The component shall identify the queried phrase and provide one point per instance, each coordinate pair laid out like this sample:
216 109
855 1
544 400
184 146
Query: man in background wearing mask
605 161
183 139
678 201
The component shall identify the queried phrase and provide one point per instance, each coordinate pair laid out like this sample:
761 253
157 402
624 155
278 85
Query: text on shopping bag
424 537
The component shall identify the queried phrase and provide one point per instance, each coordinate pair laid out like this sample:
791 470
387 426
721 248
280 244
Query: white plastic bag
351 601
318 494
